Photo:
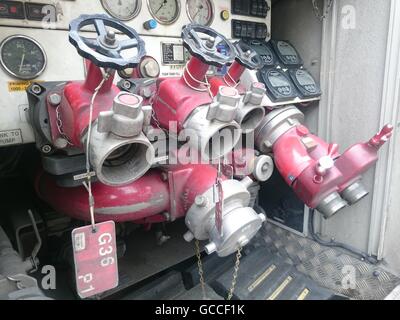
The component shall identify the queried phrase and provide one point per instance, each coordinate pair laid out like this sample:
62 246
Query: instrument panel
35 46
170 15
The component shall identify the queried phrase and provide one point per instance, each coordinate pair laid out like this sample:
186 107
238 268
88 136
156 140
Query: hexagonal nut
127 104
258 88
228 96
257 93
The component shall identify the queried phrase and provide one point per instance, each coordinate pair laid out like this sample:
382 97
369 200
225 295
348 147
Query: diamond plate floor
328 266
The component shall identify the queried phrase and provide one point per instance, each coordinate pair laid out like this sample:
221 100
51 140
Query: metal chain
88 183
200 267
235 273
321 16
60 125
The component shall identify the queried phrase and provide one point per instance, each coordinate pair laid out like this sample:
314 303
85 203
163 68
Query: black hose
333 244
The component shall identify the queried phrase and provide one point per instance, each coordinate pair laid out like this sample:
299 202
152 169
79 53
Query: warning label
16 86
10 137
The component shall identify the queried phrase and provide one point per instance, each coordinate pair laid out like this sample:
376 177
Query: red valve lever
382 137
333 149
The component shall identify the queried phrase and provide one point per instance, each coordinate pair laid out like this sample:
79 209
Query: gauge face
200 11
22 57
165 11
122 9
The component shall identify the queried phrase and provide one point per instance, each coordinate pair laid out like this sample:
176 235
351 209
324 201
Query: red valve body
175 100
74 107
298 164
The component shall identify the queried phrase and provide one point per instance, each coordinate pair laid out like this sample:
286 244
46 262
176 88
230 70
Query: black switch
37 11
251 30
244 31
254 8
260 7
12 10
245 7
236 6
237 29
261 31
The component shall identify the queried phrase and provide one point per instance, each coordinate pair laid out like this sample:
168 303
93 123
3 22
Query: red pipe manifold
121 153
320 176
166 195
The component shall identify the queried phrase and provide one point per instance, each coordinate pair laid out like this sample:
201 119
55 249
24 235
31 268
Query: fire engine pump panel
105 103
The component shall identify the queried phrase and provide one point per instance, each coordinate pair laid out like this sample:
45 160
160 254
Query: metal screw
200 201
36 89
210 42
126 84
46 148
110 37
54 99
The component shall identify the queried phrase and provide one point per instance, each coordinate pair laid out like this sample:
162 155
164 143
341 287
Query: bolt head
46 148
210 42
54 99
201 201
36 89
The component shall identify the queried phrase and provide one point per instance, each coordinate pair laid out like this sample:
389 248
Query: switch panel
252 8
249 30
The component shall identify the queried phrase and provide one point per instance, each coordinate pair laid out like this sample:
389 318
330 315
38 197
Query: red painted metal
297 154
231 78
175 99
141 201
362 156
74 107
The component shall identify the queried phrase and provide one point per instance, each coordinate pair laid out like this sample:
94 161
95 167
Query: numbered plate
95 256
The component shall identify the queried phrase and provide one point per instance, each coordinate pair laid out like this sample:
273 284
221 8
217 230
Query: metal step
266 276
213 267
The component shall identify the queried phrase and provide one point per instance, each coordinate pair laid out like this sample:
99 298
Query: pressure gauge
200 11
165 11
22 57
122 9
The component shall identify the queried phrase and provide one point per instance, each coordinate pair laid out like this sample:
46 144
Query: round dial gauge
200 11
22 57
122 9
165 11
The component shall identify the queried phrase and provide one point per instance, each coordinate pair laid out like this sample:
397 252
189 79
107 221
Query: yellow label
303 294
261 278
16 86
279 290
